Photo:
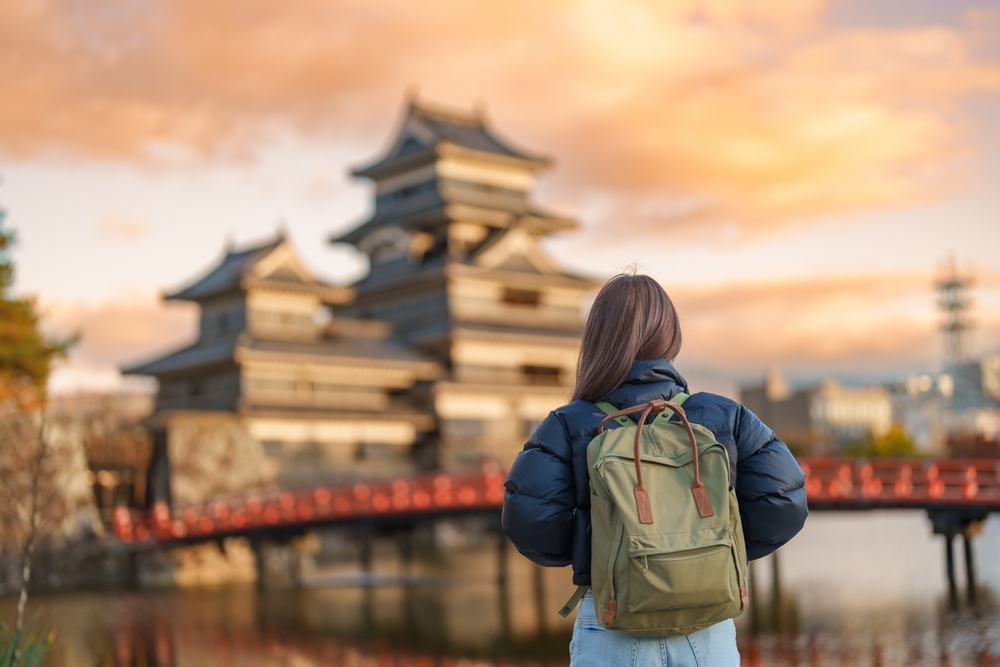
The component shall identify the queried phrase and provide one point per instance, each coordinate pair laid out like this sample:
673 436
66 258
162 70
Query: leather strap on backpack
645 511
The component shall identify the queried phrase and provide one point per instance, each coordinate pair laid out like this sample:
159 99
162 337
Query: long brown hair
631 320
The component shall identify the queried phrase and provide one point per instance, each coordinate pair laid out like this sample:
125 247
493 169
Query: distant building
820 417
974 406
962 403
919 405
462 338
976 383
456 266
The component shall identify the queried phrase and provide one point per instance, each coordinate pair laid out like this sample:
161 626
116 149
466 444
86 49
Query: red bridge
962 488
956 494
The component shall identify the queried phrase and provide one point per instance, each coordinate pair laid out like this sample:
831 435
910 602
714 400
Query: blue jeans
593 646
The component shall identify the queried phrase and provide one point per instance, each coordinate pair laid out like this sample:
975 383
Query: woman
631 336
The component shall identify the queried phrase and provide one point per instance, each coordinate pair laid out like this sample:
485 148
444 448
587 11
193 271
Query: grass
23 648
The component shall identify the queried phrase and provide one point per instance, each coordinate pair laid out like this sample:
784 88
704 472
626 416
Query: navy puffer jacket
546 507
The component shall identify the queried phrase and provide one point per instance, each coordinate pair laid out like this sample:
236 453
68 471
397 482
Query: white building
820 417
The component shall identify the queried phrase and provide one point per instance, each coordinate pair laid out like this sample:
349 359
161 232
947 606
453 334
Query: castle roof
272 265
339 351
358 351
429 132
186 359
534 219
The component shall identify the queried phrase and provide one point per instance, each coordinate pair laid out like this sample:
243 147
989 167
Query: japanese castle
462 337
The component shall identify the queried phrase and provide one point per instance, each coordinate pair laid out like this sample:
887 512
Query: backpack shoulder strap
606 407
609 410
678 399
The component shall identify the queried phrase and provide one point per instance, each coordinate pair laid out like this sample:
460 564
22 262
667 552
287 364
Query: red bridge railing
831 483
903 482
426 494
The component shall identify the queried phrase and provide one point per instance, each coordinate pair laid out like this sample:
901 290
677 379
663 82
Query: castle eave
326 293
520 279
514 336
184 360
351 353
498 389
420 420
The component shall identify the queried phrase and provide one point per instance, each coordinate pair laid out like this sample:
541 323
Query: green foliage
798 448
7 239
24 648
895 443
25 355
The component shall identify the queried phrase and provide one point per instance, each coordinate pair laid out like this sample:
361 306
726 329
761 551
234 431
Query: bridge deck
969 486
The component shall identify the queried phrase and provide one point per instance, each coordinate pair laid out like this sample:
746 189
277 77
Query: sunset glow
792 175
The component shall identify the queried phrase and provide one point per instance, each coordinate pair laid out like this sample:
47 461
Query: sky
795 174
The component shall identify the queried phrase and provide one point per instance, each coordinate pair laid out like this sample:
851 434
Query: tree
894 443
24 353
31 502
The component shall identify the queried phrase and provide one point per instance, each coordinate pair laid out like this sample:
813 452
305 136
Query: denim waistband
586 607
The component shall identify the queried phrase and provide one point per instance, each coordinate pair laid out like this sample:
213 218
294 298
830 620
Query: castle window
542 374
521 297
484 188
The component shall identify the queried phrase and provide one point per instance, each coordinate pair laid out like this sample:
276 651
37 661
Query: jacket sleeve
770 487
539 497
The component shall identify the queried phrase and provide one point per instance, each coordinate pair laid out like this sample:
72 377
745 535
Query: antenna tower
955 303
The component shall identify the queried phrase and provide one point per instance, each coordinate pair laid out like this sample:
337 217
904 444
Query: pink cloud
753 114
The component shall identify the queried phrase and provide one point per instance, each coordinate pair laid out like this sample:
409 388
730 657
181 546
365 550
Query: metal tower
955 303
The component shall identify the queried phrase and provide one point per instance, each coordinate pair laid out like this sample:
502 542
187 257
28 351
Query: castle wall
212 455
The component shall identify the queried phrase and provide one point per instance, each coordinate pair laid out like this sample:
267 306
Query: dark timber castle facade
463 336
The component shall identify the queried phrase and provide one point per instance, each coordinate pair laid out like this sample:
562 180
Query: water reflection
338 627
460 625
418 627
831 612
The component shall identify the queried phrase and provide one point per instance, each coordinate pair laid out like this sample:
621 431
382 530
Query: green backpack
668 556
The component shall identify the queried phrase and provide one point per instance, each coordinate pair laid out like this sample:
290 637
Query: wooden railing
831 484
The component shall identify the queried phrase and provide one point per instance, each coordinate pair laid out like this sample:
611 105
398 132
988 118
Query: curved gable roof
428 131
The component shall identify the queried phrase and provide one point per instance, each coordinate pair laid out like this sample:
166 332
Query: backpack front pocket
660 580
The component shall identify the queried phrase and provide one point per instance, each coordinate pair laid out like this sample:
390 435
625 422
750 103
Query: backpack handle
701 499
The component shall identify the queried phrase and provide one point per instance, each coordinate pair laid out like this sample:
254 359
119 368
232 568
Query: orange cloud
717 112
862 325
866 324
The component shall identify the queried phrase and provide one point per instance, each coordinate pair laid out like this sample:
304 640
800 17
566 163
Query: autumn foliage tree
894 443
25 355
31 472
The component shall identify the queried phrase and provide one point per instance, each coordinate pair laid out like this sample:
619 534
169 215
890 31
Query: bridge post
366 552
503 590
257 546
949 550
970 570
951 523
405 542
539 577
775 591
501 559
755 617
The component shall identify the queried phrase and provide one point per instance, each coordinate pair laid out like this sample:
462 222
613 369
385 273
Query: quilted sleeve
539 497
770 487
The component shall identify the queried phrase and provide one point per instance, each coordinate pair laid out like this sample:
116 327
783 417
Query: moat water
855 589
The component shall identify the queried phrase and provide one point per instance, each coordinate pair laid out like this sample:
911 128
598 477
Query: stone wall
212 456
